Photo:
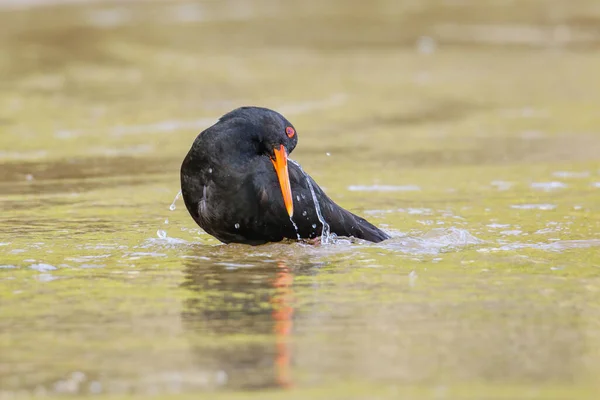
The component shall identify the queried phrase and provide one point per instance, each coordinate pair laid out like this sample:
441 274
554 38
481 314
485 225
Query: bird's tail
343 223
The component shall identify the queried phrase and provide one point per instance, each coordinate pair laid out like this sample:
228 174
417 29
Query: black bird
238 186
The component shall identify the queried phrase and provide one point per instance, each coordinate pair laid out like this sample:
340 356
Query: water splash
436 241
296 228
325 236
548 186
172 207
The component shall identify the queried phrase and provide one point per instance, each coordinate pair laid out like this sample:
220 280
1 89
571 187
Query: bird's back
341 222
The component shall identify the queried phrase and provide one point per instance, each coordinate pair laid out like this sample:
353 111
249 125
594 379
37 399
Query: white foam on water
145 254
91 266
548 186
234 265
378 212
27 155
433 242
419 211
501 185
162 242
514 232
46 277
41 267
571 174
204 258
82 259
556 245
546 231
498 225
544 207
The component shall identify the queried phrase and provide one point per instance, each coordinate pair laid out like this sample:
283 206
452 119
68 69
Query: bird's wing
341 222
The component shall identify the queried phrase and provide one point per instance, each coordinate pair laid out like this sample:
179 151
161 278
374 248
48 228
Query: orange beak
281 167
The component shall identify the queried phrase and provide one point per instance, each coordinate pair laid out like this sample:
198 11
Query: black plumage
236 182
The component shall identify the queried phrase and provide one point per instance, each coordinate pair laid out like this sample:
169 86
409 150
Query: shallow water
468 130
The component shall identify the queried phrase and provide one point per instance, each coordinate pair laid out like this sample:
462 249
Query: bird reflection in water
228 303
283 312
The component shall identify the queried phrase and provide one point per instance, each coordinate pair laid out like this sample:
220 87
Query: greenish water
468 130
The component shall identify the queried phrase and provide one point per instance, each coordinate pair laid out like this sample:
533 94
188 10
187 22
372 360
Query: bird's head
271 135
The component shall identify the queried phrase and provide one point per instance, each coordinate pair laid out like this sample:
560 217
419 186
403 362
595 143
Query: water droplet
161 234
328 154
172 207
29 177
167 221
297 197
325 232
237 226
210 170
296 228
304 213
314 226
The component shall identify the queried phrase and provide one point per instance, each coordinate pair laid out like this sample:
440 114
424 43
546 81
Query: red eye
290 132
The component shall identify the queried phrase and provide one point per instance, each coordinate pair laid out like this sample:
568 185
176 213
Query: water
172 207
296 228
488 287
325 236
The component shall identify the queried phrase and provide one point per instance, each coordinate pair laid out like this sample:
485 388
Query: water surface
468 130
